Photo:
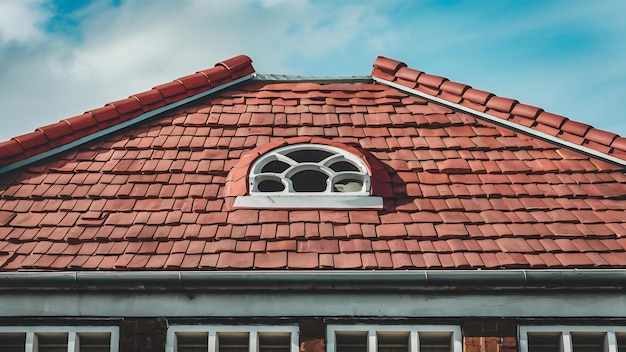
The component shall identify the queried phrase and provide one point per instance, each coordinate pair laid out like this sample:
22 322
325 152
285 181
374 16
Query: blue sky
59 58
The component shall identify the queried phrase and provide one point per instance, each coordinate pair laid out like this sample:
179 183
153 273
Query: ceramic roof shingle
61 133
459 192
504 108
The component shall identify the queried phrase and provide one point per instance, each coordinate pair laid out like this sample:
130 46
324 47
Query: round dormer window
309 168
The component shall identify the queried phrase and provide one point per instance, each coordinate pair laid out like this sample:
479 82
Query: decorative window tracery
309 169
309 176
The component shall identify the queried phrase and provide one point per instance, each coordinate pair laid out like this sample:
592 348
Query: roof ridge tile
408 74
387 65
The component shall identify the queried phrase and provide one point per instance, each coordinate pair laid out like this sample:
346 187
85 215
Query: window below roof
572 338
394 338
203 338
309 176
59 338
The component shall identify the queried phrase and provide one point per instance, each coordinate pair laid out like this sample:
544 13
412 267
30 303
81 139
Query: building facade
234 211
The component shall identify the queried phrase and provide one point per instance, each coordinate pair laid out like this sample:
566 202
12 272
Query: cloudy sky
59 58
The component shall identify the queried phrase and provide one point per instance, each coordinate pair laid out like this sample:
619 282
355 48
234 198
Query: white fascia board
326 201
511 125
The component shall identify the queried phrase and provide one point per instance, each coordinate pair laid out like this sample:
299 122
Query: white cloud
129 48
21 20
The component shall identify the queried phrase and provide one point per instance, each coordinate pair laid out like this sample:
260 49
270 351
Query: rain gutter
336 280
505 123
121 125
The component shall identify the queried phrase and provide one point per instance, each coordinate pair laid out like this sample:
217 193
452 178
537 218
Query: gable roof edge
508 124
119 126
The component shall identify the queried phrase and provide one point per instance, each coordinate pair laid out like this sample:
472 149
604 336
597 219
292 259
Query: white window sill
325 201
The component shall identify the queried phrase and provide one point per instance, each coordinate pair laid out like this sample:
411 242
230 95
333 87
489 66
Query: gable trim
508 124
120 126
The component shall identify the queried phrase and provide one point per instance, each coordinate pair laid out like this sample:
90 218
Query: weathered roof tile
458 192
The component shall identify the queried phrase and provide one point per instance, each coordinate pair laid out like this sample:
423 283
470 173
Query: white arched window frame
309 176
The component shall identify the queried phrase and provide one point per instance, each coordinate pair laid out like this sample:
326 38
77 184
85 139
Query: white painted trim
566 342
213 330
301 201
212 341
611 343
456 344
372 341
73 339
414 342
512 125
72 342
566 335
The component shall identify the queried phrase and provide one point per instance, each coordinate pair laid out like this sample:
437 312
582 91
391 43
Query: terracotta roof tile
500 107
458 192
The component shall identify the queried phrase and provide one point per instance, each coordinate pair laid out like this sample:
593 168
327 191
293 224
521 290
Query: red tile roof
459 192
71 129
504 108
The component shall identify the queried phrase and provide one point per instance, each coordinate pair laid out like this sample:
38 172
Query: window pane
351 341
343 166
393 341
309 181
270 186
621 341
544 342
52 342
435 341
309 155
94 342
274 341
348 185
276 166
233 342
588 341
12 342
192 341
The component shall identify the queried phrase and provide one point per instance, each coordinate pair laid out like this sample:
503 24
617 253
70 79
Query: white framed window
572 338
309 176
231 338
59 338
394 338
